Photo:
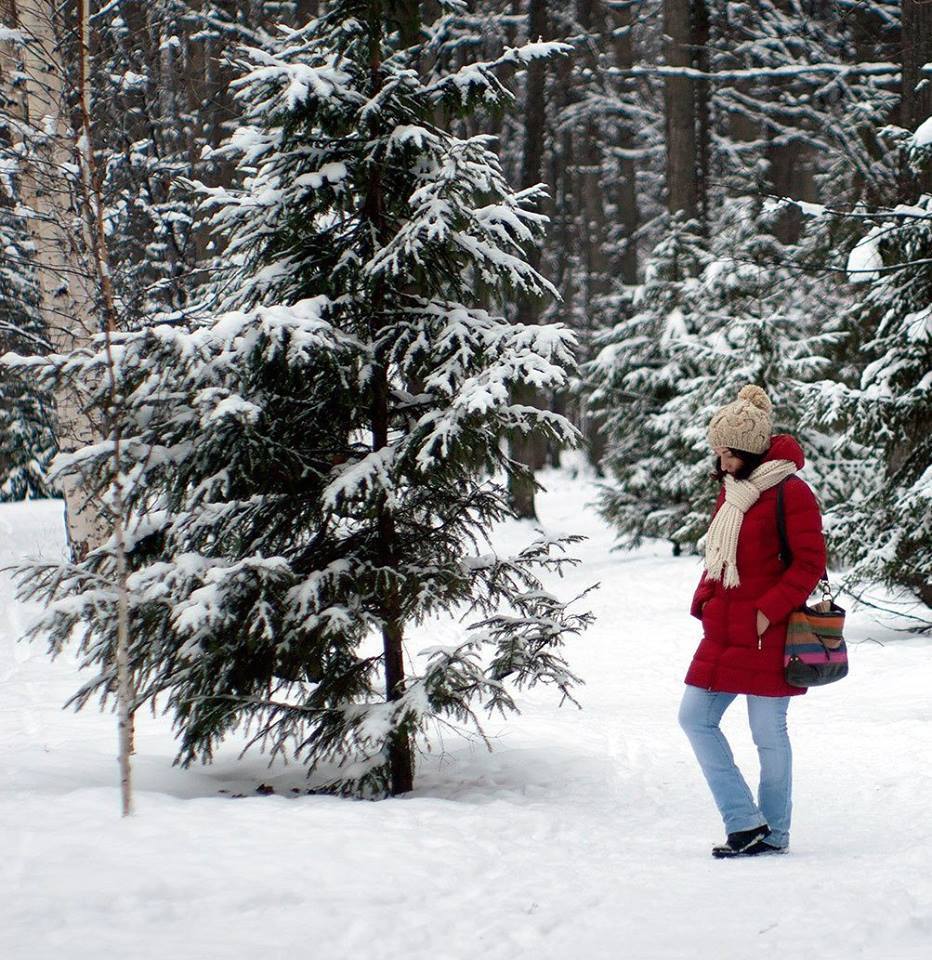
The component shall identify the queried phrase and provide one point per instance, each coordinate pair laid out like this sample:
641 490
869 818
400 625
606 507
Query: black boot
746 843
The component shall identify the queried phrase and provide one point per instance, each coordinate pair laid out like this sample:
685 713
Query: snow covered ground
585 834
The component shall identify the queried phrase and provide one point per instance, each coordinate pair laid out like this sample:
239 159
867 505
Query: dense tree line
732 193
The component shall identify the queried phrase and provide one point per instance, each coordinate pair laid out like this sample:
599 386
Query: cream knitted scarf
721 541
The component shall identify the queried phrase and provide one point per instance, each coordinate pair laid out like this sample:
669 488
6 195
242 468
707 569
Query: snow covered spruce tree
27 441
634 374
710 318
311 470
882 409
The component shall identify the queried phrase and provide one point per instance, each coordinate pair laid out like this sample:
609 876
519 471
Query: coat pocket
711 616
742 623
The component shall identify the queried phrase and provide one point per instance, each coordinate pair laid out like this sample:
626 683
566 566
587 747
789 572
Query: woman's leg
700 713
775 796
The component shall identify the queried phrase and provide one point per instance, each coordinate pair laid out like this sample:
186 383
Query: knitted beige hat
745 424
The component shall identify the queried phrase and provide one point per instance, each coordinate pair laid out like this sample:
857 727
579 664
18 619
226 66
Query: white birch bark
76 287
67 296
92 205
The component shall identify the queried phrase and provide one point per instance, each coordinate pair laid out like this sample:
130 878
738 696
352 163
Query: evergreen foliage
311 470
634 375
161 78
883 411
804 125
27 441
712 315
783 115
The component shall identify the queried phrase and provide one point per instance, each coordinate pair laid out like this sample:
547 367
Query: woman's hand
762 623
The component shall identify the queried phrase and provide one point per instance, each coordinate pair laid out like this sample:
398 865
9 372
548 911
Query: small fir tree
308 472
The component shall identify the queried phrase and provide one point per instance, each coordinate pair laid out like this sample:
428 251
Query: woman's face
728 461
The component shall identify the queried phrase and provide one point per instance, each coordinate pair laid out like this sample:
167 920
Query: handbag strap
786 554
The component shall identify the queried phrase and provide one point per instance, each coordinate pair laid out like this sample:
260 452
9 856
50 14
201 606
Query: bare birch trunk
67 298
94 219
67 229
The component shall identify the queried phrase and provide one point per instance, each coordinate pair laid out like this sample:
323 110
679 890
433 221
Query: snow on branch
902 211
865 261
891 70
293 82
474 78
372 472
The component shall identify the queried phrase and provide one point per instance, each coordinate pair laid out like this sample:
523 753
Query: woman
743 599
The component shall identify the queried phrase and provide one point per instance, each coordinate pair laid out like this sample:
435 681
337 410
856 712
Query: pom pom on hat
745 423
754 394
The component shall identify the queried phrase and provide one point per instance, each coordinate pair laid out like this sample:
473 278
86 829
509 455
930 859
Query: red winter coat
730 658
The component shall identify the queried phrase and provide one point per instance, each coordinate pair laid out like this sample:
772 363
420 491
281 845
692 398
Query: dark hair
749 463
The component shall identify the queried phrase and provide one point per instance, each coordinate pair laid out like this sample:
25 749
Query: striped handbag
815 652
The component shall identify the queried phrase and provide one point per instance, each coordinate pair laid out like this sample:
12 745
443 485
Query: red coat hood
785 447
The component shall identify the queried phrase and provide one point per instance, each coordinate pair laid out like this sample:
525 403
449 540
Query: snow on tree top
923 135
865 259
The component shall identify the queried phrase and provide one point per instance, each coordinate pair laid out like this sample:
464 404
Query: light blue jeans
700 713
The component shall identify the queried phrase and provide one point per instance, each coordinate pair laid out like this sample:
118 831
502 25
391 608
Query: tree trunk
606 200
626 202
791 165
400 754
306 10
702 98
916 85
591 175
917 52
92 207
67 297
791 175
528 449
680 111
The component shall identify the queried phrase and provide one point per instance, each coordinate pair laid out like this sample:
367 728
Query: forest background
736 193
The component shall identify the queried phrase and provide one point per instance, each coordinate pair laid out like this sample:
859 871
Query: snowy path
585 834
